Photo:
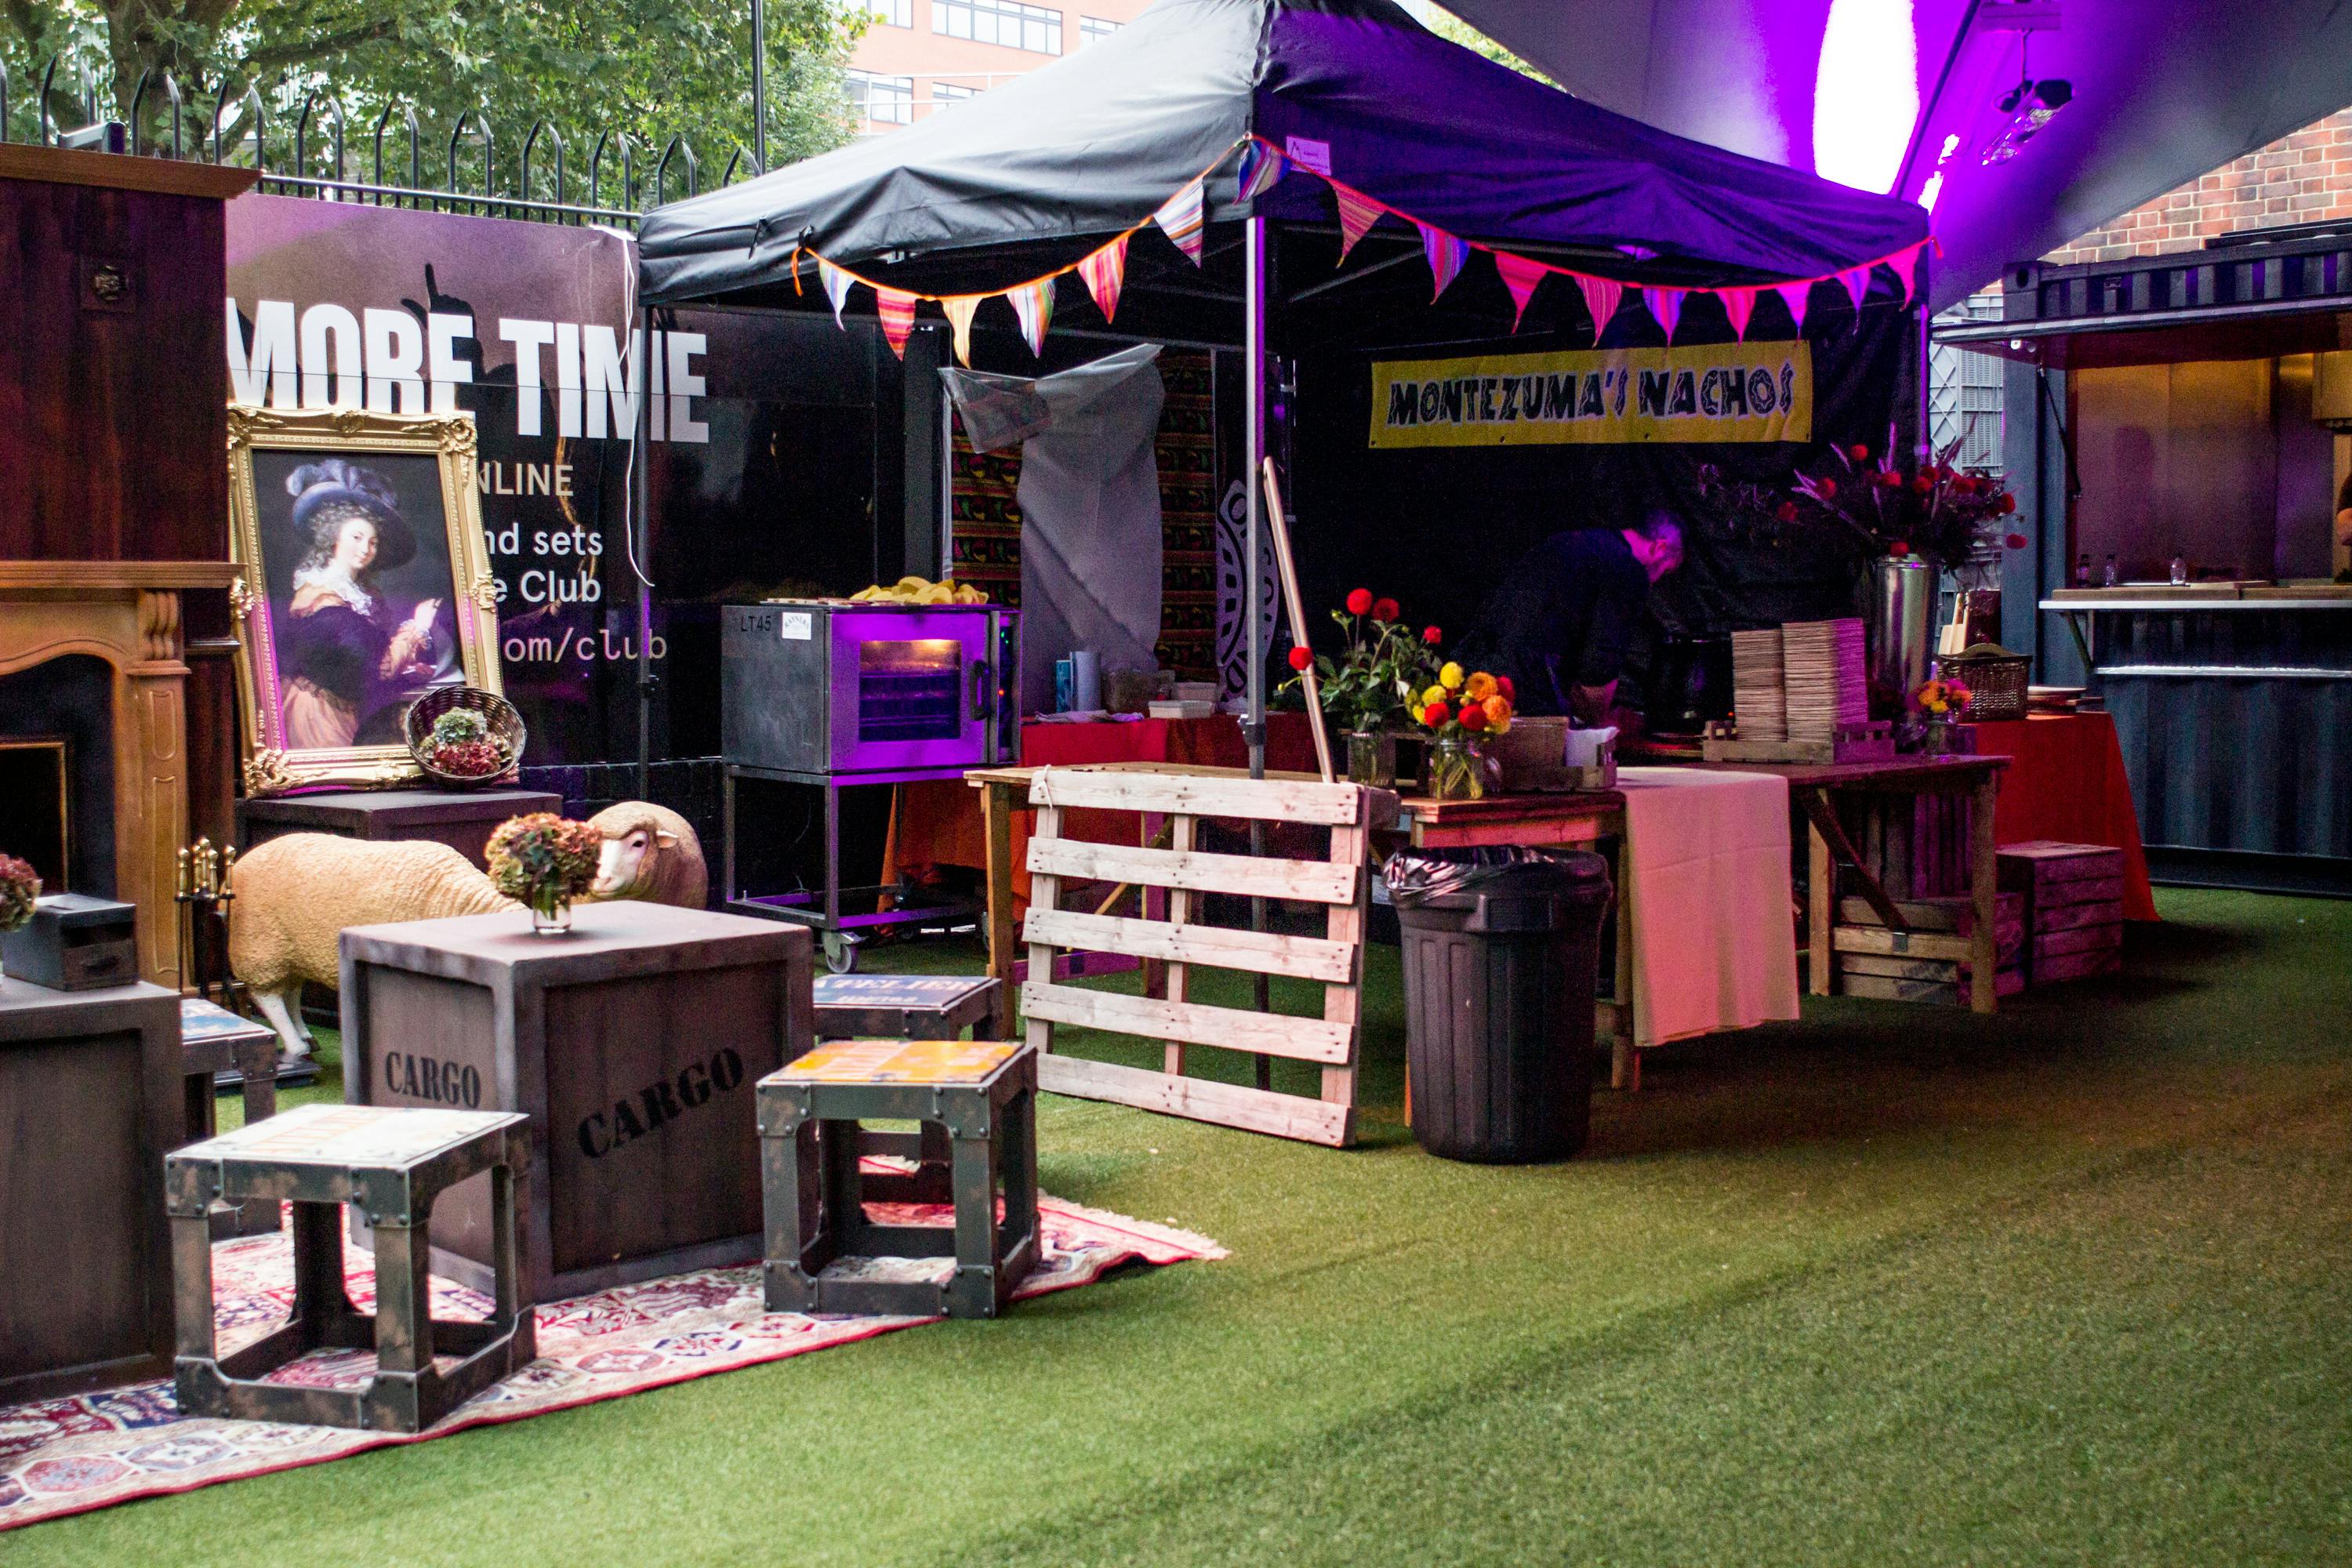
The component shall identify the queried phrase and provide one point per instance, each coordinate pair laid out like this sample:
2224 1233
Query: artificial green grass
2070 1285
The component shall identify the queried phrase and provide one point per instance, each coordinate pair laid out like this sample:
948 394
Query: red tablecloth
2067 783
940 823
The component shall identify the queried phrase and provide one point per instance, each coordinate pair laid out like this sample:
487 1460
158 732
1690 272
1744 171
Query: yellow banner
1721 391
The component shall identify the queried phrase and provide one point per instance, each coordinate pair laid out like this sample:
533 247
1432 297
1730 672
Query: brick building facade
2304 177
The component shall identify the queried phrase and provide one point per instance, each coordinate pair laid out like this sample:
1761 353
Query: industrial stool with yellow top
824 1253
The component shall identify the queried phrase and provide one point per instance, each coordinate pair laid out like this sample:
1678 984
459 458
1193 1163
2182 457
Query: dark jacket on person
1562 617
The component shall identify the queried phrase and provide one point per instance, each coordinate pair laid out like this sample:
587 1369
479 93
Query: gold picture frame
325 665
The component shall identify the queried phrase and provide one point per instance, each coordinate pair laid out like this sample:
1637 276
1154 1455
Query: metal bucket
1902 631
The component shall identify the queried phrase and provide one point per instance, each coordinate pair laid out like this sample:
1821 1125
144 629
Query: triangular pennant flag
794 261
1857 283
1906 270
960 308
1261 167
1447 256
1179 218
1034 303
837 286
1520 276
1796 296
1665 307
1600 298
1103 272
1738 304
898 313
1357 213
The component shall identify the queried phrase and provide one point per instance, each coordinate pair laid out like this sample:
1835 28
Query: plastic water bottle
2179 569
2083 569
2108 581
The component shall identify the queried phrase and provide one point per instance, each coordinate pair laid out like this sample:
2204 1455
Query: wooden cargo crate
631 1042
1930 982
2055 968
2043 865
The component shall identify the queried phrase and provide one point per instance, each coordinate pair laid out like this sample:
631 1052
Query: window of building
894 12
887 99
952 91
1005 22
1093 28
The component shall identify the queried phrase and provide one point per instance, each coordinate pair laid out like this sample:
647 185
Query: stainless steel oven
812 688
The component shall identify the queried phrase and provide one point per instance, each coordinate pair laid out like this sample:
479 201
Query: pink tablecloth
1707 876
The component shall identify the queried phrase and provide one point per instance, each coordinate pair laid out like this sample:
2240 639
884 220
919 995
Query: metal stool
907 1007
820 1242
394 1164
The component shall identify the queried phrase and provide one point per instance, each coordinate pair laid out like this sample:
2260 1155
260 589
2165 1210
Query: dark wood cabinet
631 1042
460 818
91 1101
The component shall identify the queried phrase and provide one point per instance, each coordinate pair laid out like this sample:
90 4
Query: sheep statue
296 894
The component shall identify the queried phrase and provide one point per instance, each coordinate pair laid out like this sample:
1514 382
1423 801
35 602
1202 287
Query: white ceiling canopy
1902 96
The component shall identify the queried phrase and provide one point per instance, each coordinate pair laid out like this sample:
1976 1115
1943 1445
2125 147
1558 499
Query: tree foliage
652 68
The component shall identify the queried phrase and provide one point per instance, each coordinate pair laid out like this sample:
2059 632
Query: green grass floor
2070 1285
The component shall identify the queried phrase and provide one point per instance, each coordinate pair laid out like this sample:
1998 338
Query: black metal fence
310 148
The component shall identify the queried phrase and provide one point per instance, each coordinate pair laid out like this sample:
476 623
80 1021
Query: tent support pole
641 504
1254 292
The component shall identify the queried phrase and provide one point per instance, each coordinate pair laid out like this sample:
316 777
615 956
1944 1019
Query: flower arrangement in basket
20 889
462 736
544 861
1368 691
1459 708
1873 506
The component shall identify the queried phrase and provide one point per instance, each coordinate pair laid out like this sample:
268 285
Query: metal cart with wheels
820 908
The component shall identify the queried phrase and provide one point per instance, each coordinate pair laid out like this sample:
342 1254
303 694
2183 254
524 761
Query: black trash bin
1501 952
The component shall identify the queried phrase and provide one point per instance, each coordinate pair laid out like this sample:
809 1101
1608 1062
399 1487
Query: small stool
907 1007
394 1164
983 1092
213 1040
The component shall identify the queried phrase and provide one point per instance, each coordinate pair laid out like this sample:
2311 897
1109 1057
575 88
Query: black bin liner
1501 962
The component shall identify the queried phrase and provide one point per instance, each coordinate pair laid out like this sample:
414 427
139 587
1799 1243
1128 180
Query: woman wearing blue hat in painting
348 662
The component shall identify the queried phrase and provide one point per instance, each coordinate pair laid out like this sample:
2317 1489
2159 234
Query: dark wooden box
631 1042
74 942
89 1103
463 819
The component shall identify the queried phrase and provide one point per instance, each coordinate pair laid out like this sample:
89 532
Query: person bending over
1560 623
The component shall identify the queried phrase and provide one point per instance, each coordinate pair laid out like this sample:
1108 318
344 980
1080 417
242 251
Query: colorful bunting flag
1261 166
1102 273
1034 303
1796 296
959 309
1738 304
1665 307
1357 213
1447 256
1907 269
1520 276
1179 219
1857 284
897 309
837 286
1601 297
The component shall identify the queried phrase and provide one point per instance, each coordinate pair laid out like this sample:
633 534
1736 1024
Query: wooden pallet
1334 959
1873 743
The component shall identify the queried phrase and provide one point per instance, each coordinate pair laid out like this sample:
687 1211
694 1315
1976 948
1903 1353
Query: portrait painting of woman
367 584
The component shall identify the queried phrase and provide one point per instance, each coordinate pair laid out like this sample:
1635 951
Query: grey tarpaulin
1090 507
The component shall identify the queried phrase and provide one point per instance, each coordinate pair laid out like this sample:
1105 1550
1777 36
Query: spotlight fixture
2025 108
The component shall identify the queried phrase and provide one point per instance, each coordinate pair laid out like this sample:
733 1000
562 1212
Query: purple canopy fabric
973 198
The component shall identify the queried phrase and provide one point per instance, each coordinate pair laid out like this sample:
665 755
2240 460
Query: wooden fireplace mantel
126 613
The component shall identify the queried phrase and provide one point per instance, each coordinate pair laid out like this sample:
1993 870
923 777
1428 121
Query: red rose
1858 452
1923 484
1966 485
1898 548
1888 478
1510 692
1300 658
1436 713
1360 602
1384 610
1474 716
1431 635
1828 488
2008 504
2015 541
1786 512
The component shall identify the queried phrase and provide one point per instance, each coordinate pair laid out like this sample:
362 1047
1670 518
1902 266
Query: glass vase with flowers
1368 691
20 889
544 862
1459 710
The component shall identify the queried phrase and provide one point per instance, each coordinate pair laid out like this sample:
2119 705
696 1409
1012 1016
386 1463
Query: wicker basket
505 724
1996 683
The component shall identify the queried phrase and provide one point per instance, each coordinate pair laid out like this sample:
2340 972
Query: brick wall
2304 177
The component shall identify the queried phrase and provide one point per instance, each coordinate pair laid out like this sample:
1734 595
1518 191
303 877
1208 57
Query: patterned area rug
69 1455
